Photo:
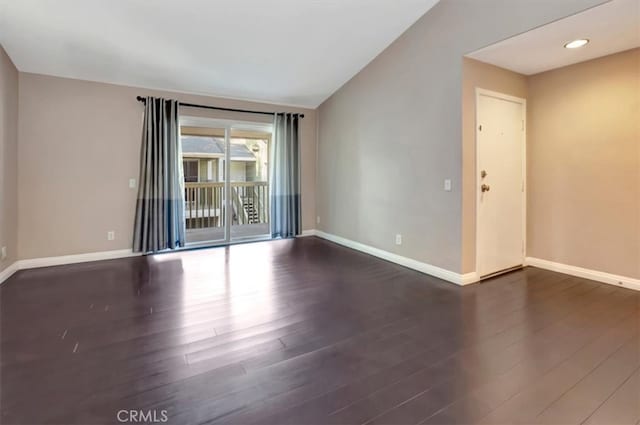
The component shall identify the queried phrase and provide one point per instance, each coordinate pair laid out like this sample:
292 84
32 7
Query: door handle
485 188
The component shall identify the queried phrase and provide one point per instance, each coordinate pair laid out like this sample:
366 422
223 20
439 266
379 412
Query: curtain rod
193 105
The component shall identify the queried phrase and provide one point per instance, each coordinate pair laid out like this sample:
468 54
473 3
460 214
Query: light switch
447 185
132 183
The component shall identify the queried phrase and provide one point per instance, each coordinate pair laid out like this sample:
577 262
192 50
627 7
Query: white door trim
523 102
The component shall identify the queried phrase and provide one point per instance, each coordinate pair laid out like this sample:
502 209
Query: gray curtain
284 174
159 222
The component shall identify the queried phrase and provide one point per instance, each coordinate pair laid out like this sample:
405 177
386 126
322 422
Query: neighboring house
203 159
203 162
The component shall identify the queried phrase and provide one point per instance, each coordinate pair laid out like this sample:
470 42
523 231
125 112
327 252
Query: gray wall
390 136
8 158
79 143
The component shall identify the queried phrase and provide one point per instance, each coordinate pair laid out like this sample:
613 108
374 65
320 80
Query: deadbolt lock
485 188
483 174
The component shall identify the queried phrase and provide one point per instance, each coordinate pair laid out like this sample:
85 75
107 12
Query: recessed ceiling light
576 43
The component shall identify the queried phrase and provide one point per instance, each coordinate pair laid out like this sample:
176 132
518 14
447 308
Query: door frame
227 125
490 93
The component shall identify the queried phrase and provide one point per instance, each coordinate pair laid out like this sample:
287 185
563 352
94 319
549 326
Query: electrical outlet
447 185
318 220
132 183
398 239
3 256
111 235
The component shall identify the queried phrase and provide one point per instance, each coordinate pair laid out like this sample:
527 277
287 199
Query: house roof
214 146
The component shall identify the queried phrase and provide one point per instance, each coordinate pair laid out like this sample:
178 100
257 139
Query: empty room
320 212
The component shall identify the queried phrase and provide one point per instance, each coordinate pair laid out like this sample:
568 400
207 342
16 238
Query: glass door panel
249 184
204 163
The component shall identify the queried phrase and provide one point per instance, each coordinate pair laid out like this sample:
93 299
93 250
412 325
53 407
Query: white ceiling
611 27
294 52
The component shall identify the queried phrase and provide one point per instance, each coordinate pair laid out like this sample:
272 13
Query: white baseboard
612 279
448 275
76 258
9 271
33 263
305 233
457 278
468 278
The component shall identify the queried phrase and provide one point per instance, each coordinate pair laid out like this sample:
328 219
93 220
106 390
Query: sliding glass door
226 173
249 156
203 160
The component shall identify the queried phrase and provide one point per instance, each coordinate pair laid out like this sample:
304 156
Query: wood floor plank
623 407
304 331
510 397
472 371
580 401
291 417
537 394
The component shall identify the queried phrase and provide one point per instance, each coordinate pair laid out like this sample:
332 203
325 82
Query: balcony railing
204 204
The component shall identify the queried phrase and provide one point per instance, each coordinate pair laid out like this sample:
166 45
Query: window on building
190 167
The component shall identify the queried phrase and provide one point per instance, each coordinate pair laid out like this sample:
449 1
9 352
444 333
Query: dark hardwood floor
307 332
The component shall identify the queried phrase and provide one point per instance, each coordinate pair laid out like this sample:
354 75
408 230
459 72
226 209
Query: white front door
500 146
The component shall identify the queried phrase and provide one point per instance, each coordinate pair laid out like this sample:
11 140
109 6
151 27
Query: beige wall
79 144
477 74
8 158
584 165
390 136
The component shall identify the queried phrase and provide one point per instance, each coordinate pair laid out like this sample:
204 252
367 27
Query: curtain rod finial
141 99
